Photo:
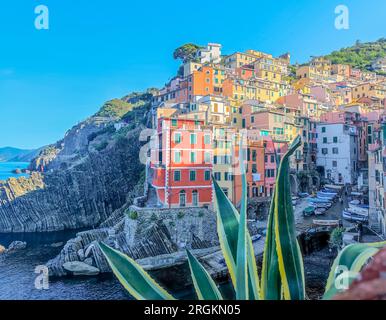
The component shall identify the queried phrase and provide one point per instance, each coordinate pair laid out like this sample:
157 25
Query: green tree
186 52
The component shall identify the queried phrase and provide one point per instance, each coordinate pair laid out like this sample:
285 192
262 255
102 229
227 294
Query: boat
318 200
325 195
322 205
331 194
353 216
330 191
256 237
327 223
333 187
303 194
360 209
320 211
309 211
355 202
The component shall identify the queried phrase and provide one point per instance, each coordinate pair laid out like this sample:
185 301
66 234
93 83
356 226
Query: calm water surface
17 273
6 169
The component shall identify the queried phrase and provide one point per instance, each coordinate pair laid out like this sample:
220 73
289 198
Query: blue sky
98 50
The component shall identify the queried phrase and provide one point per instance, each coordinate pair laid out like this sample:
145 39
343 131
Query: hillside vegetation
361 55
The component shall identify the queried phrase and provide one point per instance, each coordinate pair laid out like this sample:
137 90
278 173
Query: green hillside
361 55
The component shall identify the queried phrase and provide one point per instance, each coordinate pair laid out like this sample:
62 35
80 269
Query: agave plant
282 275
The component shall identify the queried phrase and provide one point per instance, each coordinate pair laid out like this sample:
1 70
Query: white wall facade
337 152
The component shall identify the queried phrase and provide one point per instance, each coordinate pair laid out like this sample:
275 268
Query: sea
6 169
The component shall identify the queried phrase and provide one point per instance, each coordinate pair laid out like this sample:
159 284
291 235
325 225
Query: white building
377 181
379 64
212 53
337 152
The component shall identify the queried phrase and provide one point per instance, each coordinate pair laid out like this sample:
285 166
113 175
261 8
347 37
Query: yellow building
239 59
368 90
271 69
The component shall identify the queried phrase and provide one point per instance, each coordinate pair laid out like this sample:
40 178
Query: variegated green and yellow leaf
270 276
350 259
132 276
290 259
227 229
241 264
204 285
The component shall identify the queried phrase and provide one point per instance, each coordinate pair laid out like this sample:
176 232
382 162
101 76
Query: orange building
200 82
182 164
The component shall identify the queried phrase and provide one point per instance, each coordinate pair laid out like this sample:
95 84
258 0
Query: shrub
133 215
101 146
180 214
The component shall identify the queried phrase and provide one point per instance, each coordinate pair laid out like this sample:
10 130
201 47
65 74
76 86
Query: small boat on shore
309 211
355 216
318 200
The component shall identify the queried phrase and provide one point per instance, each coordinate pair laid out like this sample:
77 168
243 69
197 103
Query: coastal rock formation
80 268
82 184
155 232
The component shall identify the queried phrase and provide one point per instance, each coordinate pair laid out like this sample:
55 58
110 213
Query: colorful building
181 164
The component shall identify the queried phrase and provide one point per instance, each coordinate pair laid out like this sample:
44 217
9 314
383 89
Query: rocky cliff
148 233
79 181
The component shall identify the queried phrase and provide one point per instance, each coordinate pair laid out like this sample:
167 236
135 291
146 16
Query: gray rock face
80 268
87 189
16 245
155 232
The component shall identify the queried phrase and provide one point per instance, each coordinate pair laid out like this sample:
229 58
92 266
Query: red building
182 163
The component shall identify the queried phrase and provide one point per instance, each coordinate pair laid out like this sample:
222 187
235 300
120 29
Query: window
323 129
177 137
207 175
215 107
325 140
335 150
195 198
177 156
192 157
254 155
252 119
324 151
174 122
217 176
254 168
226 176
272 158
192 175
335 139
182 198
207 157
177 175
207 139
193 138
334 164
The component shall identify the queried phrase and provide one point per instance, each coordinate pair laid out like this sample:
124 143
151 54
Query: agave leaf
227 229
352 259
253 276
288 252
205 287
270 276
132 276
241 264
